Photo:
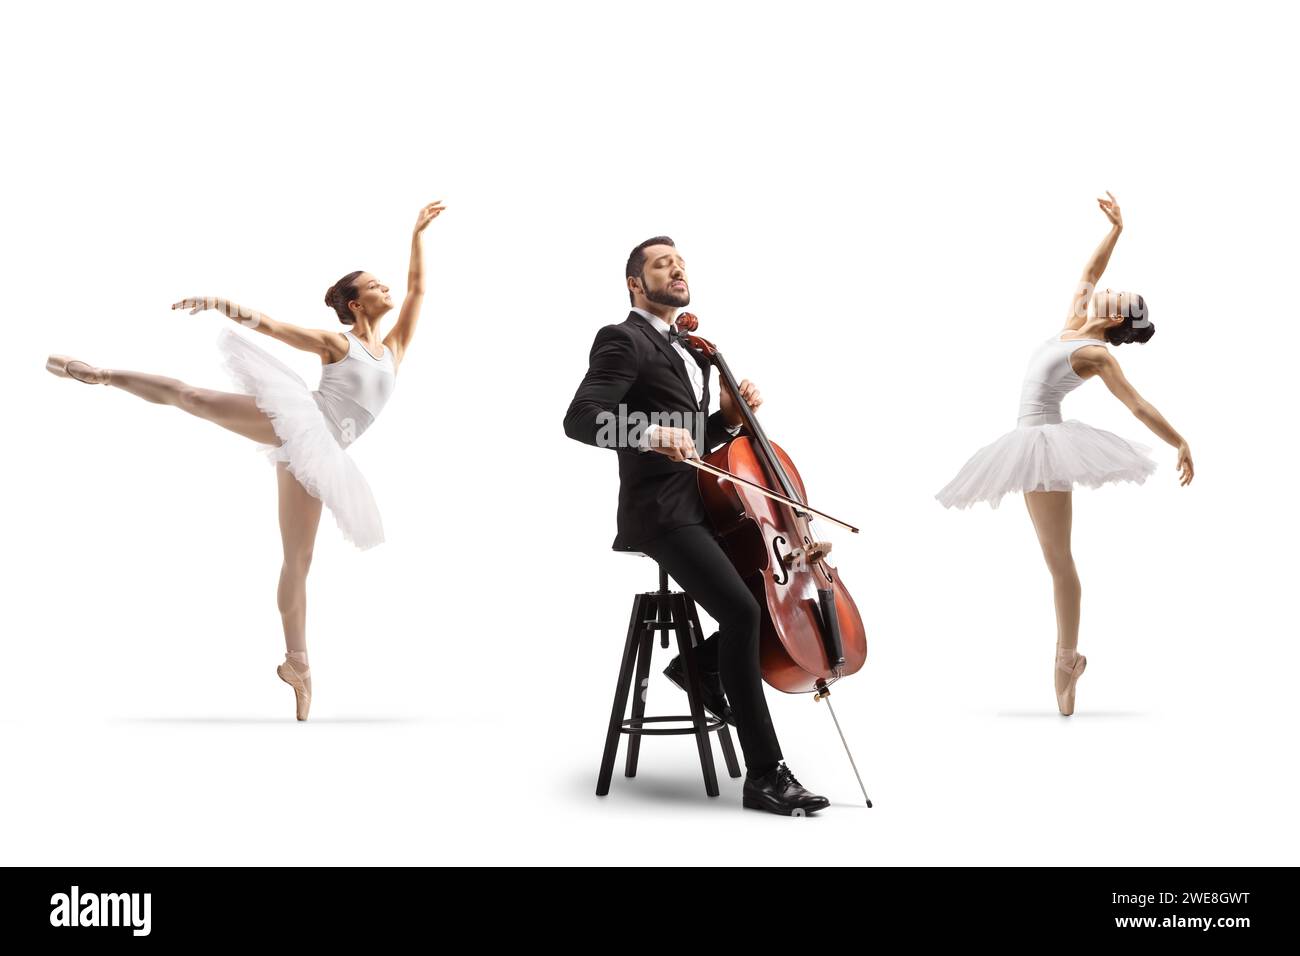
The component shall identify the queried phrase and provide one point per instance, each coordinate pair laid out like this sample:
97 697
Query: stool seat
667 612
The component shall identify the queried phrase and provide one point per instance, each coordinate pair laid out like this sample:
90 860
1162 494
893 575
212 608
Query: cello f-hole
779 574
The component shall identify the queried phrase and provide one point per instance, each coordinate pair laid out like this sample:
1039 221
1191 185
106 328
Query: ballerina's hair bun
1136 327
340 294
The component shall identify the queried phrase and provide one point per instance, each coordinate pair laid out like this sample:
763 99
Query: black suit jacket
634 370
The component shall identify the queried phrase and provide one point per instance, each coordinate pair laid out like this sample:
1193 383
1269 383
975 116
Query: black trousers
694 559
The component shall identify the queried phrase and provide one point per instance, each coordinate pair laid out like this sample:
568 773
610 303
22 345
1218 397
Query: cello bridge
801 559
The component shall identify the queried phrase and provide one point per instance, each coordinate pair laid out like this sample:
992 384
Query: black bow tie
675 335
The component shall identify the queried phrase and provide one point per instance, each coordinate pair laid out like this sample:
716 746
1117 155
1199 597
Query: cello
811 633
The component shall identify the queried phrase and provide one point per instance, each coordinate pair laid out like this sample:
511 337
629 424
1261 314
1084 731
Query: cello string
853 763
775 496
816 534
710 352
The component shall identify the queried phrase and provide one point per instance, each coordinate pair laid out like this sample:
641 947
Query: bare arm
1095 266
317 341
1108 368
400 337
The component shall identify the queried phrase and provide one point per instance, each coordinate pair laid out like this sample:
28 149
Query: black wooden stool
662 611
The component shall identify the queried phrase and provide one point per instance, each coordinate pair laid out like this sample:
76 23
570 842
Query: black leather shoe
779 792
712 697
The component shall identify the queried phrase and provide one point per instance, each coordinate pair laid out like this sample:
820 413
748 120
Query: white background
883 209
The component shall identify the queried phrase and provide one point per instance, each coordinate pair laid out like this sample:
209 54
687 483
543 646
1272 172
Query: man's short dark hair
636 261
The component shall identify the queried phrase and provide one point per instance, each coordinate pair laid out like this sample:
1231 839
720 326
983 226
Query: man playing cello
639 372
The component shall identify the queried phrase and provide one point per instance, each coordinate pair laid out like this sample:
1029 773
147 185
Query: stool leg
728 751
620 697
724 732
641 688
662 614
686 645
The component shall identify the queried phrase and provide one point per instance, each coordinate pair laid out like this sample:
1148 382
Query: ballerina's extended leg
231 410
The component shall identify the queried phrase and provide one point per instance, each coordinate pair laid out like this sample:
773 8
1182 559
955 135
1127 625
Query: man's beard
678 300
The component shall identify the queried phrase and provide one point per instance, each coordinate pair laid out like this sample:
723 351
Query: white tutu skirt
308 448
1053 457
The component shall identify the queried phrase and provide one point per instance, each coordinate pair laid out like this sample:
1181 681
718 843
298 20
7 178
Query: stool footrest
710 725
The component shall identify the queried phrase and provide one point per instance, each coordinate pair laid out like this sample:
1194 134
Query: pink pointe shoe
298 681
1065 696
84 372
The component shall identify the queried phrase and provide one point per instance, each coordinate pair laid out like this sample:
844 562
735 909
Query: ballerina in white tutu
1045 457
304 433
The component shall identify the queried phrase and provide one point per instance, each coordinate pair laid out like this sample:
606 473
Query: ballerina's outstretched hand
428 214
198 304
1111 208
1185 469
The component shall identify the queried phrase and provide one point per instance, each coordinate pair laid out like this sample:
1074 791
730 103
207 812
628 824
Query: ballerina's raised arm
399 338
1092 272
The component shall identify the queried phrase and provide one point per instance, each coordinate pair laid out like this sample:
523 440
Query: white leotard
1048 379
354 390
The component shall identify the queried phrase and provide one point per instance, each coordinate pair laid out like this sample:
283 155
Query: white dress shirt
693 370
692 367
